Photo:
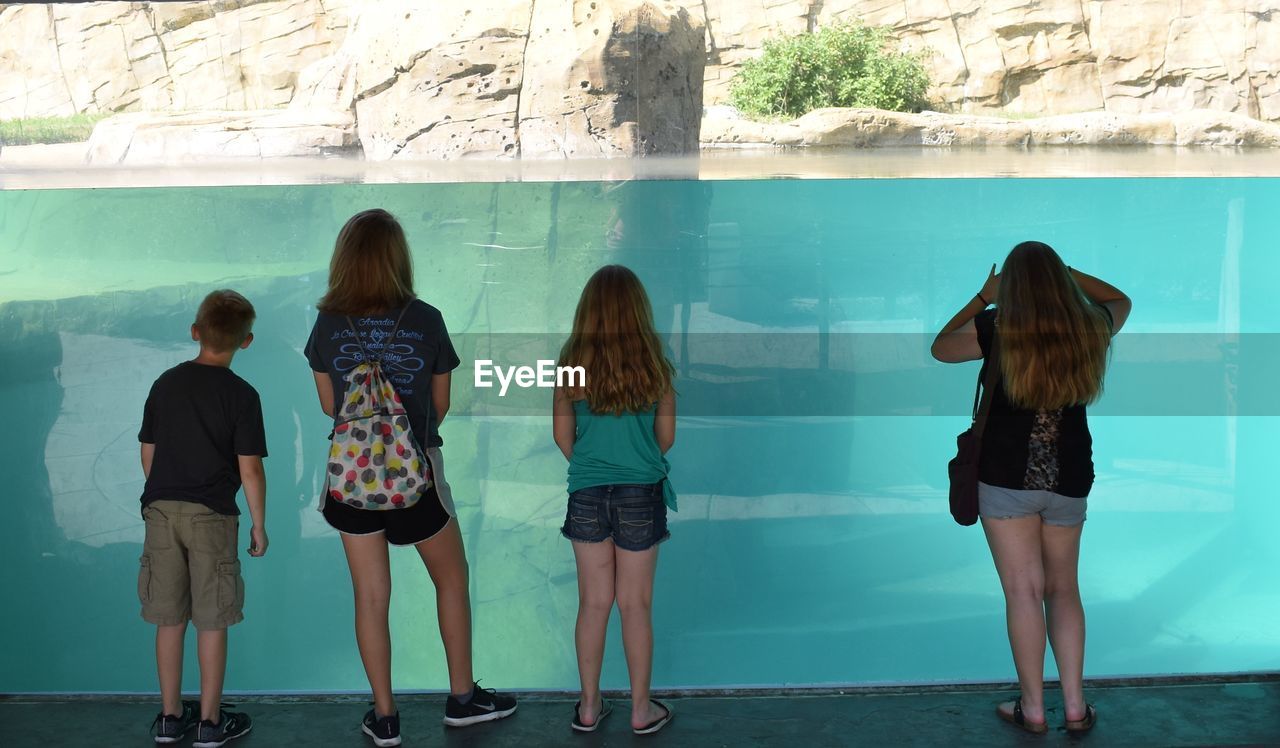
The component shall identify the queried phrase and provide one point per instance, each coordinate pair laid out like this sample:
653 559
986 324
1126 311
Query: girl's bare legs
633 586
446 562
1015 546
169 641
370 567
595 563
1061 553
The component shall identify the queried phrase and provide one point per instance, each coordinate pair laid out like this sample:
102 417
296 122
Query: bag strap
396 328
987 386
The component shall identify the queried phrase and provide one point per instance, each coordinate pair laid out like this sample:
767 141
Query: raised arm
957 341
1101 292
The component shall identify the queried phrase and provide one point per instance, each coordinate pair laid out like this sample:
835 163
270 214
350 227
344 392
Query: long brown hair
1053 339
371 269
615 343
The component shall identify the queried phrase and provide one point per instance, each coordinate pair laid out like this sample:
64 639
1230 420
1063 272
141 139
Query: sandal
605 709
1086 724
657 724
1017 718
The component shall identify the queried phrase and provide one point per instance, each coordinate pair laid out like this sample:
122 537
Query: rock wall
634 86
438 78
491 78
1045 57
875 128
192 137
62 59
571 78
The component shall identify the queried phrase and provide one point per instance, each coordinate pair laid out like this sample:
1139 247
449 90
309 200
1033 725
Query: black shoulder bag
963 468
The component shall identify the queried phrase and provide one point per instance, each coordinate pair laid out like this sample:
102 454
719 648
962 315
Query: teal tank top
611 450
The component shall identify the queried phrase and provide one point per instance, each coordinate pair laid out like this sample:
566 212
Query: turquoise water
813 544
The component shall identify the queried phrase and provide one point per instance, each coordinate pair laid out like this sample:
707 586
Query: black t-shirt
200 418
1049 450
421 348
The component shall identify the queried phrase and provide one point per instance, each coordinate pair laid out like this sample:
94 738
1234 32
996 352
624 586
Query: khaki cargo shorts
189 567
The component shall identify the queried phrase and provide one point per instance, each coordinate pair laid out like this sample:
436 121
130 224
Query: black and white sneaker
171 729
231 725
485 705
385 731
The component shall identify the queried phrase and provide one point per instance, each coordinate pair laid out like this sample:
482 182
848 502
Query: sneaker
485 705
171 729
231 725
385 731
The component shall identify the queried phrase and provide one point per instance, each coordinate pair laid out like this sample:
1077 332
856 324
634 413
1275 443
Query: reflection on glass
813 544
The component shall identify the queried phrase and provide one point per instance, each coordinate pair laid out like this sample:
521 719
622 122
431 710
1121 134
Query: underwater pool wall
813 544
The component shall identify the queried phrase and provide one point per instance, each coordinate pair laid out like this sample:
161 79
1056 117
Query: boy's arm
254 479
251 447
148 455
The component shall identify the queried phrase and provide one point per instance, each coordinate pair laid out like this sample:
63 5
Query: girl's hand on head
992 286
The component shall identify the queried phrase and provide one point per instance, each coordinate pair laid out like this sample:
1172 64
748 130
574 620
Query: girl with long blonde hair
370 313
615 427
1050 334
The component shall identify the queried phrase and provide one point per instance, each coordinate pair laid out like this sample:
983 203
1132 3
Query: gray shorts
995 502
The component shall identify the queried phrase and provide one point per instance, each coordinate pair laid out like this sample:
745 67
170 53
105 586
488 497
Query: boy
201 436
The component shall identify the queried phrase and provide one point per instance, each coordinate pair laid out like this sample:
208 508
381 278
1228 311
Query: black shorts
402 526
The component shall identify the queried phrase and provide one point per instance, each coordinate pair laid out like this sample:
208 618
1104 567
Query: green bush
71 129
848 65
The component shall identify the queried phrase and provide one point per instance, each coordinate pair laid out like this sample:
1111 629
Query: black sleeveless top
1047 450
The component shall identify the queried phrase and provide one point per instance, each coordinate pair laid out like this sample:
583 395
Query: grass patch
45 130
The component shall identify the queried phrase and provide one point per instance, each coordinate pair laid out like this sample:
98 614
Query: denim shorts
995 502
633 515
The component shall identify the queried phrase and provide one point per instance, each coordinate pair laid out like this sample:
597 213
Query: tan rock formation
1050 56
634 86
175 137
64 59
500 78
442 79
874 128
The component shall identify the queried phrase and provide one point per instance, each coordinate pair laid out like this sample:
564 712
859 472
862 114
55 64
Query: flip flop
657 724
1086 724
1017 718
605 709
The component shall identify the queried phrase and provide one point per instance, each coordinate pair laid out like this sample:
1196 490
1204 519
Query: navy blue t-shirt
419 350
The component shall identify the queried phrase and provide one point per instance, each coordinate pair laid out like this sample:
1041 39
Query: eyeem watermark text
545 375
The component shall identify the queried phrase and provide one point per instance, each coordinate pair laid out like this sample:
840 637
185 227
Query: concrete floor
1232 714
